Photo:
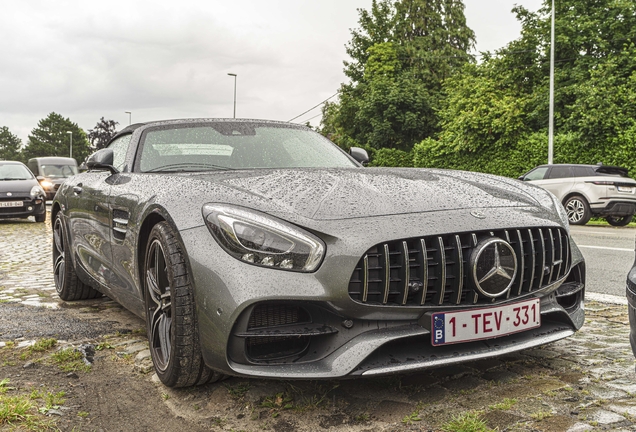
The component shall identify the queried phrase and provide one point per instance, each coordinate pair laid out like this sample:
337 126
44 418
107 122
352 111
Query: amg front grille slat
533 261
424 265
460 269
433 271
522 262
387 273
407 272
365 278
442 256
542 269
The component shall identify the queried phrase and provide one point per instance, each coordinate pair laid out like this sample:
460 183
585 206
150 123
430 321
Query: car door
89 222
91 218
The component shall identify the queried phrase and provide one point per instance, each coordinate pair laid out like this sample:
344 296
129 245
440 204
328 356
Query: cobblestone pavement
585 382
25 263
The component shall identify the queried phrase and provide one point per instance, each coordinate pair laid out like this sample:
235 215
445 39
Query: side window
536 174
120 147
560 172
580 171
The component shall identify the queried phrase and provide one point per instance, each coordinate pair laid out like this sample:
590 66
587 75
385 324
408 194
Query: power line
311 118
333 95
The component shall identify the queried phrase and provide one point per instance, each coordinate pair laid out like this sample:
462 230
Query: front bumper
30 207
347 338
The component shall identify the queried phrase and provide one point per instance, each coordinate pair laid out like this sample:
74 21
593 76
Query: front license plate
624 189
486 323
11 204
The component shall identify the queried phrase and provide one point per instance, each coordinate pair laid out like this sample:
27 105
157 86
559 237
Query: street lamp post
551 114
129 117
234 75
70 134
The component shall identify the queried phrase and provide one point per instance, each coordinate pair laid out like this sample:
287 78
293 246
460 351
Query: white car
589 190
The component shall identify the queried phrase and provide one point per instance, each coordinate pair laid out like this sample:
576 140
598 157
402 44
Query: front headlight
36 190
46 184
561 211
263 240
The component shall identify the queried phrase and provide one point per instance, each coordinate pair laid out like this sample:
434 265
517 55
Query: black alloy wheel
578 210
619 220
170 313
67 284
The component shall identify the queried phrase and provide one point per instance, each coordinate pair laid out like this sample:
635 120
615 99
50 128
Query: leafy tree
495 114
103 131
400 57
51 138
9 145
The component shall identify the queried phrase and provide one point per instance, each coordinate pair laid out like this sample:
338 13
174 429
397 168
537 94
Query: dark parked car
51 172
589 190
631 308
260 248
20 193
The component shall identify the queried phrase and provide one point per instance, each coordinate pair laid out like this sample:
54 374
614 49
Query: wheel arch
152 219
573 194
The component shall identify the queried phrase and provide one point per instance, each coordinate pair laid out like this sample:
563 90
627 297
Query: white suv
589 190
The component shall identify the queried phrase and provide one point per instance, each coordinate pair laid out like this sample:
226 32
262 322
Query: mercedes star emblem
494 267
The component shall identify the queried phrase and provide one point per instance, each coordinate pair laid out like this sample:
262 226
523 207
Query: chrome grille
435 270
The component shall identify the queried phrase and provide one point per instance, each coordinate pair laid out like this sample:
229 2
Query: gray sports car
260 248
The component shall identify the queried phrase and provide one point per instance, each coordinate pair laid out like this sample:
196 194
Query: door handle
77 189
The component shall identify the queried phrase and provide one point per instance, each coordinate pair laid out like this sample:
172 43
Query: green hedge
529 152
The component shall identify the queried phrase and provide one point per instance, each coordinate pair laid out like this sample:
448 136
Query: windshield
237 145
58 171
14 172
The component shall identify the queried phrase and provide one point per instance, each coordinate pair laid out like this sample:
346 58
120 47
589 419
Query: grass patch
541 415
238 391
602 222
41 345
505 405
70 360
412 418
466 422
276 404
19 412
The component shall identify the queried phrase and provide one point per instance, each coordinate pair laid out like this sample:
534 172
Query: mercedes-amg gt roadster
260 248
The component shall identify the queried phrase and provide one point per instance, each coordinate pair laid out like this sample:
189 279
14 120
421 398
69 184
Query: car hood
17 186
330 194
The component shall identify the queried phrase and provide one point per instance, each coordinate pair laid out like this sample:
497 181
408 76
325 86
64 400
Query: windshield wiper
182 167
11 178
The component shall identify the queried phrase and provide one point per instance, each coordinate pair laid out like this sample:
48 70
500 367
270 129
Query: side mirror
520 177
360 155
102 159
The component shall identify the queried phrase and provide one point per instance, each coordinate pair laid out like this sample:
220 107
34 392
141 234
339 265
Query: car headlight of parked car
263 240
36 191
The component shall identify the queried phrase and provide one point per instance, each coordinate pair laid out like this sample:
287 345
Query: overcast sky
170 59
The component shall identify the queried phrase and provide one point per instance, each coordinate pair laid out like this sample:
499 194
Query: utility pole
551 120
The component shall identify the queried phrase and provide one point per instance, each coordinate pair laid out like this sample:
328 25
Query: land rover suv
589 190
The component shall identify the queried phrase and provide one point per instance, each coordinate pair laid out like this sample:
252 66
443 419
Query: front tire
578 210
170 313
67 284
619 220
